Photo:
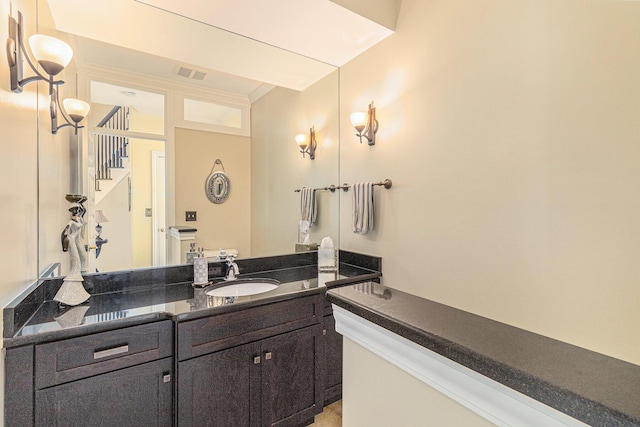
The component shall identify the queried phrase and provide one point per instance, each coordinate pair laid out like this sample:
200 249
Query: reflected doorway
128 172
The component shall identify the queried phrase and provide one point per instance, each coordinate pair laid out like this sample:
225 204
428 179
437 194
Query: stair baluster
109 149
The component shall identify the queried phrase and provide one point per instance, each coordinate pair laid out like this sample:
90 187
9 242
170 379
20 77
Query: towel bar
387 183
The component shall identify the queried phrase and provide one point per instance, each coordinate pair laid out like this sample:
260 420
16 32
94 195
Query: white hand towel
308 204
362 197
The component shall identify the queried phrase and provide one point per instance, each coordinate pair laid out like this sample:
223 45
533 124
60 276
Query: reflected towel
308 204
362 197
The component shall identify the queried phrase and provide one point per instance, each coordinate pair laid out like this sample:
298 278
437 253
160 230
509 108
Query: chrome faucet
232 268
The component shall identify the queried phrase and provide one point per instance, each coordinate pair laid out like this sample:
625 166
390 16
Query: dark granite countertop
122 300
589 386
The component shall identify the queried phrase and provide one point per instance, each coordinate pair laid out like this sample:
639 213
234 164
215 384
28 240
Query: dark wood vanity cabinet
115 378
292 382
270 374
333 361
220 389
256 366
137 396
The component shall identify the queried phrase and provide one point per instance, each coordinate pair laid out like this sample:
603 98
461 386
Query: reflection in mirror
127 175
212 113
218 187
203 120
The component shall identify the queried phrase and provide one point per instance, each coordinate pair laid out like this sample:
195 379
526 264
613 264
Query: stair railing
110 149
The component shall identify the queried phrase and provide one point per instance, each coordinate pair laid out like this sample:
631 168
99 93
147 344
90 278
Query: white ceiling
319 29
240 44
95 53
142 101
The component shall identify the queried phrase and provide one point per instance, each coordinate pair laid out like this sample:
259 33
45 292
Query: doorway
127 146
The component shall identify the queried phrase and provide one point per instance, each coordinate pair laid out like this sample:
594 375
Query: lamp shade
359 119
76 109
52 54
99 217
301 140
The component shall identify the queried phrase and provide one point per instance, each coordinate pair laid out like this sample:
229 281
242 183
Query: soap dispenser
200 269
192 254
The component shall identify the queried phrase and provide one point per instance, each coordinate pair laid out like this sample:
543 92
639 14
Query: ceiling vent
198 75
188 73
183 71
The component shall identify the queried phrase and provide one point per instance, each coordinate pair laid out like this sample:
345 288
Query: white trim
158 198
183 236
174 116
245 115
491 400
262 90
176 238
158 84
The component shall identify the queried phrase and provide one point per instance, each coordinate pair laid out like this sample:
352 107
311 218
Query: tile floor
330 417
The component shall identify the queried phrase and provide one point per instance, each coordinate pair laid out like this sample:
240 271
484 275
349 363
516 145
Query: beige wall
19 115
278 167
117 253
510 132
385 395
226 225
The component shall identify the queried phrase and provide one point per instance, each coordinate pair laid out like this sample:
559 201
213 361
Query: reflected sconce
99 217
53 56
307 143
366 124
73 111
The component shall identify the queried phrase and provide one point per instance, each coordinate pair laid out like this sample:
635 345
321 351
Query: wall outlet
190 216
148 212
214 270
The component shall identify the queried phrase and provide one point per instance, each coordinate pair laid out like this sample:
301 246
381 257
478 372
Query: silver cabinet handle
256 360
267 355
110 352
166 378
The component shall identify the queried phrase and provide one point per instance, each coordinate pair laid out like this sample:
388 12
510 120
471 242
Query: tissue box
306 247
327 259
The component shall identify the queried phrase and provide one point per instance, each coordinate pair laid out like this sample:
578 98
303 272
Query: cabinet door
221 388
18 385
333 366
292 377
141 395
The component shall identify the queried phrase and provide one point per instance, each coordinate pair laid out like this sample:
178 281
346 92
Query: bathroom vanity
150 349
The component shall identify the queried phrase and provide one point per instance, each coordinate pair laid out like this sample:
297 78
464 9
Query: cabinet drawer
68 360
202 336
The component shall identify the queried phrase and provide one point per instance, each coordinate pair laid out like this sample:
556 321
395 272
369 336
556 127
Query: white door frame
158 219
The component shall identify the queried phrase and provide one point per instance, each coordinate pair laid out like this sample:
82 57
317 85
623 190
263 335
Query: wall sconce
366 124
308 143
53 56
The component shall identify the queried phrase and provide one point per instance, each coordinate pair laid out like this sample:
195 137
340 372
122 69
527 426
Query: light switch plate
148 212
190 216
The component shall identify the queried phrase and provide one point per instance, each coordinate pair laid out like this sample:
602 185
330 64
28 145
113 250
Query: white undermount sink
241 288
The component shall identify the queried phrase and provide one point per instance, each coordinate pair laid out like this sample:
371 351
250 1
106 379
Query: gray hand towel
308 204
362 197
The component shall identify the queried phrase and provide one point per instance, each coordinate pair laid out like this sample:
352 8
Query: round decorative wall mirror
217 186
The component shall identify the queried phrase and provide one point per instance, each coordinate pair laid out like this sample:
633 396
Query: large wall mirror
165 106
